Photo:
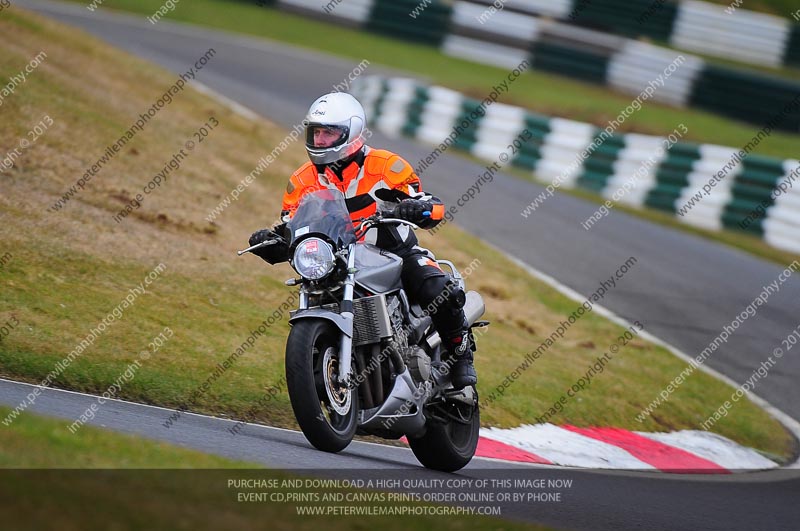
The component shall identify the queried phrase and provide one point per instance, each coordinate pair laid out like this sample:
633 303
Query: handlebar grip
393 214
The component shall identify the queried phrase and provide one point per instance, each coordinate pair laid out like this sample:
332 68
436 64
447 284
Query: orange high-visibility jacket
380 169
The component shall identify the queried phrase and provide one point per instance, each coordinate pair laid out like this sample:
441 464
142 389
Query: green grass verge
541 92
135 484
71 268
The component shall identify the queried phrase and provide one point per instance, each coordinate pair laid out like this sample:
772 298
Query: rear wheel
451 438
326 410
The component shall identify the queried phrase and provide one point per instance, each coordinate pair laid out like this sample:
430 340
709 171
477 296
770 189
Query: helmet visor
322 136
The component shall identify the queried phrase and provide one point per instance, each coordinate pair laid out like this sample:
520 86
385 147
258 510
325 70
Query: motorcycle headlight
313 259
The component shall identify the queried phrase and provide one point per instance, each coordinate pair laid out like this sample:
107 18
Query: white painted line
236 107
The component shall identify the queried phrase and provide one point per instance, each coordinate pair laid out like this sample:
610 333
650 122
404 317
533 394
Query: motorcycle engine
417 360
419 363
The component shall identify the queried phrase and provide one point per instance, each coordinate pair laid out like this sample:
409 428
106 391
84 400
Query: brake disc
338 395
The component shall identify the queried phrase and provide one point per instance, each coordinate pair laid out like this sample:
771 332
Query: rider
340 160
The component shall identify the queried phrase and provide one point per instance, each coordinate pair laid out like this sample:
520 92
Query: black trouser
435 291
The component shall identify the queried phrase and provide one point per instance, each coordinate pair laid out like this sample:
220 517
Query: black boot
463 370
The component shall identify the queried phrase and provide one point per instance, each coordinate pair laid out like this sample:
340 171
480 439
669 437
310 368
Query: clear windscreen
323 212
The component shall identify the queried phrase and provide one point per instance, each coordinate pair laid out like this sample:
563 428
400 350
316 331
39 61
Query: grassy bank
70 268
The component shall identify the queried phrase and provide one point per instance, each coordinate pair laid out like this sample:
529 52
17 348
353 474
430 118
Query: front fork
343 320
346 311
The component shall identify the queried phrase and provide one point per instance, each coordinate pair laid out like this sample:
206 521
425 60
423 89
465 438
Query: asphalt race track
597 499
683 289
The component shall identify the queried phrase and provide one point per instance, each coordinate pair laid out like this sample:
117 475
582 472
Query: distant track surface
683 289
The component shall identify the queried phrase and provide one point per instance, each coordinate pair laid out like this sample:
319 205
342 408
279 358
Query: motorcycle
360 357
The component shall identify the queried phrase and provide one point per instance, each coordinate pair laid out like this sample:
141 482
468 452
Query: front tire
312 360
449 446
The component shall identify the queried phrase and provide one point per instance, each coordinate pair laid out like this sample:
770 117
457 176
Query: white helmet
341 114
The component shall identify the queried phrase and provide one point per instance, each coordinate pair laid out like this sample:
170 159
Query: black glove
275 253
261 236
412 210
282 230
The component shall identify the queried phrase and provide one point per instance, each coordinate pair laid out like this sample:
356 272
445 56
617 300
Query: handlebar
372 221
265 243
379 219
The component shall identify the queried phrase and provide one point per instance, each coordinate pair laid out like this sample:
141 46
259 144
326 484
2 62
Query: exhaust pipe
474 308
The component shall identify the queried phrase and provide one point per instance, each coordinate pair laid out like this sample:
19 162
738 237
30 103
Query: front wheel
326 410
450 441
